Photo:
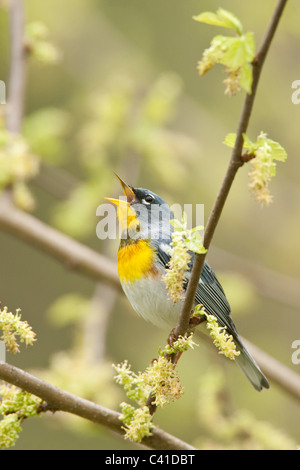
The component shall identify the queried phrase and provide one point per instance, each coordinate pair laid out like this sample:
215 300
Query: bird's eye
148 199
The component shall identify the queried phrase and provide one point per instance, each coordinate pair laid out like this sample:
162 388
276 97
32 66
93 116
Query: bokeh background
122 93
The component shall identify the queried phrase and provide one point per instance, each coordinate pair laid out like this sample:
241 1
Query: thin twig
234 164
60 400
16 80
96 323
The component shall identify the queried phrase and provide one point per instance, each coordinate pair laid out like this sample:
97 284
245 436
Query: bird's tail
251 370
245 362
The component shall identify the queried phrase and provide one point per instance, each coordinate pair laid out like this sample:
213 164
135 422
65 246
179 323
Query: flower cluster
262 156
17 165
137 422
264 168
160 380
185 242
15 406
38 44
181 344
223 342
12 326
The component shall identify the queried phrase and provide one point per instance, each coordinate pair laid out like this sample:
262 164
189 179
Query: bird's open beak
125 213
129 193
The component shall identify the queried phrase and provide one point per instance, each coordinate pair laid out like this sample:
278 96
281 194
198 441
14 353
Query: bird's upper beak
125 212
129 193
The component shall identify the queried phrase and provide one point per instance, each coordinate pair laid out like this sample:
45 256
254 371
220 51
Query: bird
143 260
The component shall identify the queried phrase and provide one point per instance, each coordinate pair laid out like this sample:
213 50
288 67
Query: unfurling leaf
222 18
236 53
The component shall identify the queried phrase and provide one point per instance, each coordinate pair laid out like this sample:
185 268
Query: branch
68 251
234 164
59 400
16 81
270 284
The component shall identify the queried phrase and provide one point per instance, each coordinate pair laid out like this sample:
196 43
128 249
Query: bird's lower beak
126 213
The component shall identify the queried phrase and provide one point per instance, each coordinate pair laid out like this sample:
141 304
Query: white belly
149 298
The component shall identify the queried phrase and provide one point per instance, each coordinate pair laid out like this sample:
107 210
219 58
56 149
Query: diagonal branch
68 251
234 164
60 400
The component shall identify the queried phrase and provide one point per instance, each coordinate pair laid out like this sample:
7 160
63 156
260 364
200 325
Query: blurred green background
125 96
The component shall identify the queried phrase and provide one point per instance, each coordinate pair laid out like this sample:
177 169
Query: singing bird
143 258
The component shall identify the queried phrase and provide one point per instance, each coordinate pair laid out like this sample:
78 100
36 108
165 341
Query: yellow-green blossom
137 422
182 344
164 382
184 242
160 380
38 44
12 326
223 341
17 165
262 156
15 406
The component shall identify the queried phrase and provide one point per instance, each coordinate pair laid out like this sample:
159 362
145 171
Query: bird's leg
171 340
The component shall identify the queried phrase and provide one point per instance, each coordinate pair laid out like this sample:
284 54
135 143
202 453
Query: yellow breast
135 260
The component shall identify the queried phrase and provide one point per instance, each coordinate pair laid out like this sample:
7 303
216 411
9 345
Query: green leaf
249 44
246 78
195 243
222 18
199 228
239 51
278 152
230 140
232 20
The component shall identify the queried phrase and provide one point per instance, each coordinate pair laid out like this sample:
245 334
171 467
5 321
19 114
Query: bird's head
143 214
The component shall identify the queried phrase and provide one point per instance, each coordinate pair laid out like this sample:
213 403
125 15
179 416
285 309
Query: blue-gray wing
211 295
